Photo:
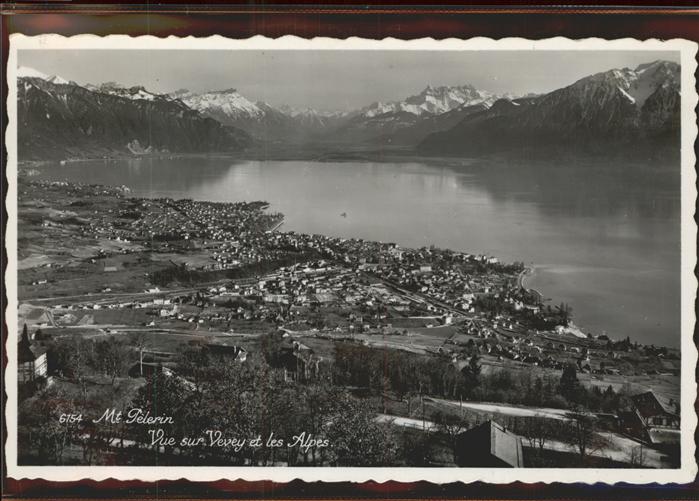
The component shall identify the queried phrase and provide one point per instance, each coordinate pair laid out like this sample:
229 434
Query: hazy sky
332 80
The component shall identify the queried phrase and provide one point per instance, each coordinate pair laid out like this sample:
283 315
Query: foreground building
31 360
654 413
489 445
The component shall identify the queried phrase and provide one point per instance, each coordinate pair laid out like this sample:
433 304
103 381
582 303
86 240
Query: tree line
212 392
405 374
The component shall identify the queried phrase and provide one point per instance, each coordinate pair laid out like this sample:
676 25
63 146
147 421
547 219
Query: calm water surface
603 241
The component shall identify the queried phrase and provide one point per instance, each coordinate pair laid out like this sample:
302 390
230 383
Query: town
429 349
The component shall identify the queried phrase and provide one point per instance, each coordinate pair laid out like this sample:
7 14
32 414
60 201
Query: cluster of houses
449 282
230 233
432 281
293 294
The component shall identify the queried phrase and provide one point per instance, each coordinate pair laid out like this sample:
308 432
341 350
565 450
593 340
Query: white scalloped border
686 473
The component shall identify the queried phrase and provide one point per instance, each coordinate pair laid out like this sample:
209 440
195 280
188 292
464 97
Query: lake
602 238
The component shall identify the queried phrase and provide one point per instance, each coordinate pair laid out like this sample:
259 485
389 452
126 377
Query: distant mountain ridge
408 121
376 122
261 120
60 119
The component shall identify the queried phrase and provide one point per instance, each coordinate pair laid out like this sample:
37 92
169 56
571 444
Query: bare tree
450 426
140 342
76 359
637 456
112 358
582 432
537 430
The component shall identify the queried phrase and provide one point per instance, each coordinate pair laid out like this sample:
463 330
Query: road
417 424
95 296
126 329
507 410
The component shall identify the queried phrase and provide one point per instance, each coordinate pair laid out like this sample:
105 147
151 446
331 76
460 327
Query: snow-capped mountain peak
635 85
665 67
223 103
27 72
618 109
432 101
180 94
137 92
57 80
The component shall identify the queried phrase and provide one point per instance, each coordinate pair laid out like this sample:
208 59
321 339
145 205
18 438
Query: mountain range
409 121
614 110
60 119
619 108
260 119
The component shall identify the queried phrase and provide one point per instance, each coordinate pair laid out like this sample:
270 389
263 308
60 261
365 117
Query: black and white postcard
351 259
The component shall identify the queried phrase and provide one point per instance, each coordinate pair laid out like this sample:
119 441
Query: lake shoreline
513 216
380 156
